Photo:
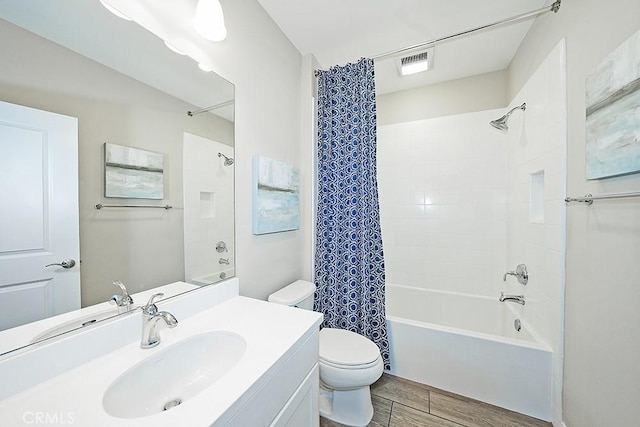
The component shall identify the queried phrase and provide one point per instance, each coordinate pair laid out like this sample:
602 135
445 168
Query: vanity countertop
272 333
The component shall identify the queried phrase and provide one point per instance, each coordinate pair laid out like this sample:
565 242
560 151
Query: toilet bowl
349 363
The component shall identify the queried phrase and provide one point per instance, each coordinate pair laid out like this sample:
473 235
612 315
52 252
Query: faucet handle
150 307
120 285
125 298
123 301
521 273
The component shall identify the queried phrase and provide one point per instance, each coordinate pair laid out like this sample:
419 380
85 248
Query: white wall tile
447 179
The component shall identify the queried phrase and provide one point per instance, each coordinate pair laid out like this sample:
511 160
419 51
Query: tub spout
512 298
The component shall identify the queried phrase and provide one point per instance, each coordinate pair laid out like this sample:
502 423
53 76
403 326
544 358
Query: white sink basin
86 320
173 375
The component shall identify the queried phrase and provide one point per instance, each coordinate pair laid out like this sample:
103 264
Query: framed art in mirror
133 173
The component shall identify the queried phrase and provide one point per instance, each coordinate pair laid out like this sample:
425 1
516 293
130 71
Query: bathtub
468 345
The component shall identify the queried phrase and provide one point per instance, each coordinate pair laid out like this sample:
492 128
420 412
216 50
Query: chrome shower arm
519 107
501 123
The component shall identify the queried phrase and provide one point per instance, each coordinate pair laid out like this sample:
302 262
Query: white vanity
231 361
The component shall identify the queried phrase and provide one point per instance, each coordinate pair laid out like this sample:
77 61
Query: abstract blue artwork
276 196
613 113
133 173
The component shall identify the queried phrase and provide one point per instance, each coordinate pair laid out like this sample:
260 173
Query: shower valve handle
521 273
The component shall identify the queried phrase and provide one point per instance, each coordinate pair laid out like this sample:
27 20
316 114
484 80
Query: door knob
67 263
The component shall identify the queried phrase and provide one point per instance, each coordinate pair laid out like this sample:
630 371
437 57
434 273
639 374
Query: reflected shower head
227 160
501 123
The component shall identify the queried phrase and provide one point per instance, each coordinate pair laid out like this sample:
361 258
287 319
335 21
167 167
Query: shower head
501 123
227 160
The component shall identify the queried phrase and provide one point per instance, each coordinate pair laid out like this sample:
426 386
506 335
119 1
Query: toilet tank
297 294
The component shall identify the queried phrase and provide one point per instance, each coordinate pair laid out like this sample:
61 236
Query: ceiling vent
415 63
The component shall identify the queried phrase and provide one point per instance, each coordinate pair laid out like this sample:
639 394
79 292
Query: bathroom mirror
126 87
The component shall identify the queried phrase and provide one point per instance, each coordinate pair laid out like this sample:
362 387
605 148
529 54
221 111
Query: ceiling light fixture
209 20
205 67
173 48
115 11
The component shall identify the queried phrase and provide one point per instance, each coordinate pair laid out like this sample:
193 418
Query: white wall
266 71
601 373
536 236
308 161
442 186
467 95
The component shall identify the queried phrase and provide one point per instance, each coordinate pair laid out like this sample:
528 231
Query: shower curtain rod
213 107
552 8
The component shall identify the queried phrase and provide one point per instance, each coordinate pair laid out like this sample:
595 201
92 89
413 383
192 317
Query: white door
38 215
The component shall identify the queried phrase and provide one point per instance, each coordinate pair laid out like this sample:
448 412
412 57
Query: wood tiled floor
398 402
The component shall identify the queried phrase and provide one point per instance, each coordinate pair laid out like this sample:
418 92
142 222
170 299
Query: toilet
349 363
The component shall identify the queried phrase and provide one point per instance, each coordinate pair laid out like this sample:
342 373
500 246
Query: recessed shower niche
207 204
536 198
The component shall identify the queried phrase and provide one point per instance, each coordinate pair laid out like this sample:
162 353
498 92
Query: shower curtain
349 261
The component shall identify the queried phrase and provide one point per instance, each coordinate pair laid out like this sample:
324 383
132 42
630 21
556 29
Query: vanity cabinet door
302 409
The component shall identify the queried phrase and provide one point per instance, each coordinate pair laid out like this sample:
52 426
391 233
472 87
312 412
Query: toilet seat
347 360
347 350
349 367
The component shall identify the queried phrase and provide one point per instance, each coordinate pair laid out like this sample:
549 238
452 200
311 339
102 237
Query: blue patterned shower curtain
349 262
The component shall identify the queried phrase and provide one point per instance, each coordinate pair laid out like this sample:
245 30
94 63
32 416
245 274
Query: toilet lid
346 348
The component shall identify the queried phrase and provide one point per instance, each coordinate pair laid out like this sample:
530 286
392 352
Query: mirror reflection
142 247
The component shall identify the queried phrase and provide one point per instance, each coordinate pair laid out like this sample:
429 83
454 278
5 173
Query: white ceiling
341 31
334 31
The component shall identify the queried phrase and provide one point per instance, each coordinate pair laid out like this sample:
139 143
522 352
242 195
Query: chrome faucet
512 298
521 273
124 302
150 318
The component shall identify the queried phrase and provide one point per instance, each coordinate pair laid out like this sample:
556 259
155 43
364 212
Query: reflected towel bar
589 198
100 206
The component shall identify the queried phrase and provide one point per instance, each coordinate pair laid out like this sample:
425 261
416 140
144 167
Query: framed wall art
133 173
613 115
276 196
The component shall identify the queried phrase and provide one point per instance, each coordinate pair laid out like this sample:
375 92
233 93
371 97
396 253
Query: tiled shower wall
442 186
208 192
537 147
536 230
